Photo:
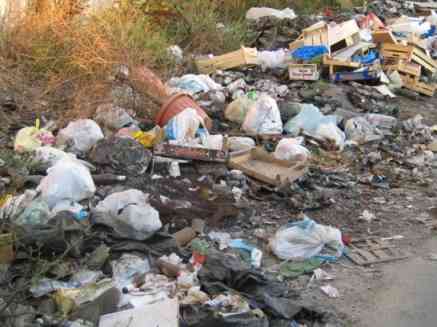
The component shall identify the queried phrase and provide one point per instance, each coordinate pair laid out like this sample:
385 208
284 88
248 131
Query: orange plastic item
175 105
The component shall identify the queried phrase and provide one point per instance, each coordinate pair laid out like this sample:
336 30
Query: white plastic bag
67 180
273 59
129 214
264 117
291 149
183 127
306 239
236 143
80 136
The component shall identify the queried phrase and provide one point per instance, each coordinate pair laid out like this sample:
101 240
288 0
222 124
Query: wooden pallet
371 251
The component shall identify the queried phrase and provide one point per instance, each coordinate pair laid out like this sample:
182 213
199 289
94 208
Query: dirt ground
400 293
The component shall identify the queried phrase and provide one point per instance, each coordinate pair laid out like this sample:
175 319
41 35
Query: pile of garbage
119 225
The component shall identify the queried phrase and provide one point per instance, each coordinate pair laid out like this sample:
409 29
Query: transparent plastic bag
291 149
306 239
79 136
264 117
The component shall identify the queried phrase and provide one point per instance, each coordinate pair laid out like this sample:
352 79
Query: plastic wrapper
129 266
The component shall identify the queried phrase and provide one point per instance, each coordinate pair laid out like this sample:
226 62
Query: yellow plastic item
150 138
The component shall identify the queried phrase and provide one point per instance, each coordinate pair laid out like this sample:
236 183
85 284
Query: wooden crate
405 68
259 164
413 84
303 72
244 56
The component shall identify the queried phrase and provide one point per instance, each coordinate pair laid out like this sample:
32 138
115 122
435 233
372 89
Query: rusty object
145 81
185 152
7 254
175 105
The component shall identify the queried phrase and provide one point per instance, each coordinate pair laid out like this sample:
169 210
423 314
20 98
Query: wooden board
259 164
371 251
244 56
185 152
420 57
383 36
303 72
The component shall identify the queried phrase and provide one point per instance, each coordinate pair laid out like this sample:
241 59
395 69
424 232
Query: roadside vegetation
68 56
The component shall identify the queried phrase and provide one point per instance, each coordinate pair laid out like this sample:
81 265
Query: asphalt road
409 295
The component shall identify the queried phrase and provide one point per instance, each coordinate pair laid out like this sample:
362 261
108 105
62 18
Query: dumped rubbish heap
202 219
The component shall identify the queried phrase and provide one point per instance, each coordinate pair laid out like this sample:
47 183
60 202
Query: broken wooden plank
371 251
422 58
244 56
192 153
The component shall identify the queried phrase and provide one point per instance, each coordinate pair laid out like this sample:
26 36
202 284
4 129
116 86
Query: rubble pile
203 218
